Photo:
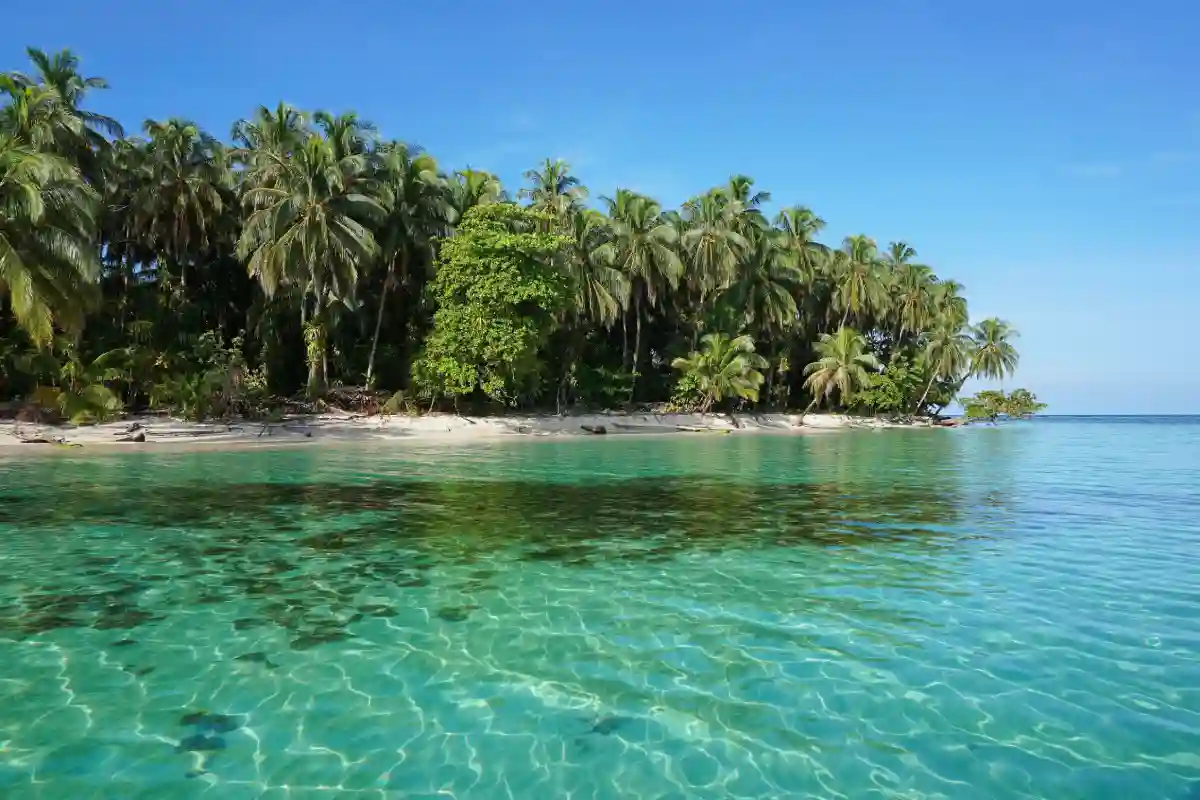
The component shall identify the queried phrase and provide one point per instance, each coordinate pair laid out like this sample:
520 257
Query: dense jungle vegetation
307 254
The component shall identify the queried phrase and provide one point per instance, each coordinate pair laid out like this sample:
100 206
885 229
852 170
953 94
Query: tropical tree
724 368
763 293
601 288
473 187
860 289
643 248
182 191
310 226
947 355
48 256
995 356
712 243
844 366
418 212
553 190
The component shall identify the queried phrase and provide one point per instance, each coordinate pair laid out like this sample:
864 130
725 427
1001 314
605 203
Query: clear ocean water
1009 612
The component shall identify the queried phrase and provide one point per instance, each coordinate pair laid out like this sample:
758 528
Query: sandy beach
158 431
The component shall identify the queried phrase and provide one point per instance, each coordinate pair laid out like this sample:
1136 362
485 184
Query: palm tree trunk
921 402
637 343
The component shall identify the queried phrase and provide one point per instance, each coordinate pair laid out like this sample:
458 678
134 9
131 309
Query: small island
309 264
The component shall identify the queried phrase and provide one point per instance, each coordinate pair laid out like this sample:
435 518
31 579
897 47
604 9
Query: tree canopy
306 252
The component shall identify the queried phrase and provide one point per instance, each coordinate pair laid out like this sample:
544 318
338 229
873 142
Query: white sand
162 431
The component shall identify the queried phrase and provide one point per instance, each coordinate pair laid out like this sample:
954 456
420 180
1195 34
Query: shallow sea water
1008 612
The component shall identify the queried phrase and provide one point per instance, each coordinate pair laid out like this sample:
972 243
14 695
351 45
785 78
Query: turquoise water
1007 612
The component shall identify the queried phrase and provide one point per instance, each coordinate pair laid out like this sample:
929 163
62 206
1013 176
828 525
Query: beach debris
597 430
139 437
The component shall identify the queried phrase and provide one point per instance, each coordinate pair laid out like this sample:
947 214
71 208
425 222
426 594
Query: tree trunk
921 402
378 326
637 343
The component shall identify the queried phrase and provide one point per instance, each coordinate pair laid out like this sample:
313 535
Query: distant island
309 261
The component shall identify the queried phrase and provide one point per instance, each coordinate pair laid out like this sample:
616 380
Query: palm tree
763 291
310 226
48 255
554 190
266 141
912 298
947 355
473 187
418 212
58 82
995 357
949 304
349 135
712 242
843 366
724 368
859 286
747 208
799 227
182 192
602 290
643 248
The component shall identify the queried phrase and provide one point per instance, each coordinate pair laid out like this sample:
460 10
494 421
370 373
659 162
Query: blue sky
1047 155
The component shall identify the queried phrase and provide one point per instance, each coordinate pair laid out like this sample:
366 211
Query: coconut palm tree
310 227
995 356
763 293
48 255
602 289
57 82
949 305
554 190
183 189
712 242
724 368
912 301
799 227
418 212
844 366
643 248
859 286
474 187
947 355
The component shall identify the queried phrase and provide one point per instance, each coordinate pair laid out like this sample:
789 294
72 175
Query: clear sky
1046 154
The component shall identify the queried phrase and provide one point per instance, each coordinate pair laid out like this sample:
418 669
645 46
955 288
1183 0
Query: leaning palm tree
418 212
554 190
48 255
995 356
947 356
310 228
844 367
724 368
912 304
643 248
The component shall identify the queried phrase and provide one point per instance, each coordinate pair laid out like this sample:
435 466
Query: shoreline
174 435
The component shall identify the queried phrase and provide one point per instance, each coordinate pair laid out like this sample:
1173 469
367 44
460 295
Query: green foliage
723 369
344 257
498 289
892 391
844 367
991 404
74 388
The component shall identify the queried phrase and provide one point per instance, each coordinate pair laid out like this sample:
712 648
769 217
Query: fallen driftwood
598 430
137 436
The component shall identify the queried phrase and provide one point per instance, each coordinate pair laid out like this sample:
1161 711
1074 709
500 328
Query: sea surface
995 612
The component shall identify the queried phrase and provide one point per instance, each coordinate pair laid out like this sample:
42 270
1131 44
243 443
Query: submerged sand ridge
156 431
